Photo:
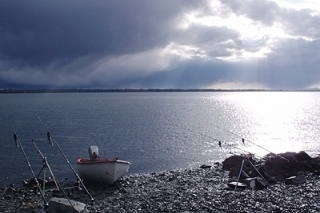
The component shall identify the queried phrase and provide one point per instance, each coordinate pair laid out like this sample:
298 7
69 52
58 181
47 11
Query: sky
167 44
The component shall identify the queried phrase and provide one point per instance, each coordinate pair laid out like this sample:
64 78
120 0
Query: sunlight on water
275 121
157 131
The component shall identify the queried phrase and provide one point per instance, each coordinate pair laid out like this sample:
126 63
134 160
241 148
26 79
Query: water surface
155 131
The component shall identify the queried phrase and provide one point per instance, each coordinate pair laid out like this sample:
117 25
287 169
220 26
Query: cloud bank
185 44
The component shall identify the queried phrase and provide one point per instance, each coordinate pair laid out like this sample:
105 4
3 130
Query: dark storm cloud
38 32
153 44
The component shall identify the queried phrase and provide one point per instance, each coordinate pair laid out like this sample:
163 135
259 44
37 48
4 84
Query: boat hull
102 170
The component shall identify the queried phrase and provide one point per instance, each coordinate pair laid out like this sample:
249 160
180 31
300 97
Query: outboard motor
93 152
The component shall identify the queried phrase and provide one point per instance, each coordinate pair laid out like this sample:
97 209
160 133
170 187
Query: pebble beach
188 190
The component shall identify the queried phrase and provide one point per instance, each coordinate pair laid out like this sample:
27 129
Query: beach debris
65 205
237 184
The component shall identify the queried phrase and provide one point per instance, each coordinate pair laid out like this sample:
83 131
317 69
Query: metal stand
45 166
53 141
255 168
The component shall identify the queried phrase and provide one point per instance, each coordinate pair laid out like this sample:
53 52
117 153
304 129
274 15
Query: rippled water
155 131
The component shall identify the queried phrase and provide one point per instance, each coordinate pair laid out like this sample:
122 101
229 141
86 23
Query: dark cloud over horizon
167 44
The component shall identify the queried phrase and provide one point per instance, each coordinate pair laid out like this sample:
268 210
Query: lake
155 131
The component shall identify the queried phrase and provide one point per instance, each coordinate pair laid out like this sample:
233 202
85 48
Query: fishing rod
203 135
46 164
243 141
53 141
246 151
18 144
220 142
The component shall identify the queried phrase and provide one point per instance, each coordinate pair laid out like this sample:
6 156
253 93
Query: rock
10 190
303 156
234 172
316 160
204 166
288 163
63 205
305 166
250 182
295 180
261 183
7 197
275 164
232 161
267 176
316 172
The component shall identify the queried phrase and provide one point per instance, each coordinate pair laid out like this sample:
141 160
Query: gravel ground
189 190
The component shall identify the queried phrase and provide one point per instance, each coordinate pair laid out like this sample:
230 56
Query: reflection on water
276 121
157 131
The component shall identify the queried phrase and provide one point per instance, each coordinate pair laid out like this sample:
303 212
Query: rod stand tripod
247 159
45 167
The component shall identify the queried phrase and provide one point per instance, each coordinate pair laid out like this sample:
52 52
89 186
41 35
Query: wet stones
187 190
289 167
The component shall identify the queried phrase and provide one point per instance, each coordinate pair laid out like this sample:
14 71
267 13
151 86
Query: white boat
106 170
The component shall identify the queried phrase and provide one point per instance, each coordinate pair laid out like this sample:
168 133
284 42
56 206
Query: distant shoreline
144 90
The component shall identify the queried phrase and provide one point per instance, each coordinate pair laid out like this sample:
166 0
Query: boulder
303 156
236 161
234 172
316 160
267 176
288 163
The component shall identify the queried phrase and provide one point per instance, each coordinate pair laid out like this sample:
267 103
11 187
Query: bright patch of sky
300 4
238 85
252 32
184 51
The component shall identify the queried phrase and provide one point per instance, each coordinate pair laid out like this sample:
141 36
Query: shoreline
186 190
61 90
